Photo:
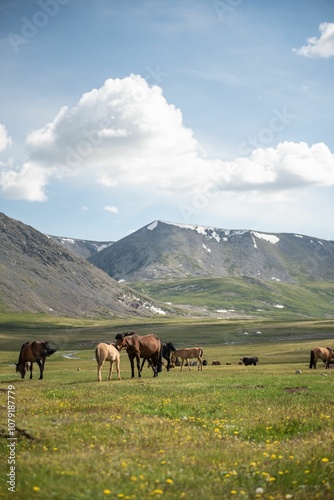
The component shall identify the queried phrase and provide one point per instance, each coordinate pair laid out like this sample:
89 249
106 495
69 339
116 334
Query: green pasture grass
246 295
229 431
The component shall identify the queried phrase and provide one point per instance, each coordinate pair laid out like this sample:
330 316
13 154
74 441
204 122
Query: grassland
230 431
246 295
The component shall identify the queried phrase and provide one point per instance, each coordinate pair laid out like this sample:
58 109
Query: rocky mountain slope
83 248
163 249
38 275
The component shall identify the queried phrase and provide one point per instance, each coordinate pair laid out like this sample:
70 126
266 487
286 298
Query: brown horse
324 353
32 352
141 346
105 352
187 353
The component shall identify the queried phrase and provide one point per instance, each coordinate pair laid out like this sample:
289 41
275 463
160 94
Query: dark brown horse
32 352
141 346
324 353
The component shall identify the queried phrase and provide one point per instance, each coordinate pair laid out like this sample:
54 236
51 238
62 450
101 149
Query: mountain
163 250
38 275
84 248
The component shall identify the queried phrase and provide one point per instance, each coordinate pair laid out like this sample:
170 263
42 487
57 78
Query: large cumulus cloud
126 133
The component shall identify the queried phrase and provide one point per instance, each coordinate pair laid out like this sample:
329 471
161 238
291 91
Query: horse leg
132 367
118 368
99 370
182 364
142 365
110 370
138 364
31 369
200 367
41 368
188 364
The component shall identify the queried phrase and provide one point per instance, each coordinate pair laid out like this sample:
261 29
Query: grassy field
246 295
230 431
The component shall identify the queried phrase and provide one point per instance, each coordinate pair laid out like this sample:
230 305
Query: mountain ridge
166 249
40 276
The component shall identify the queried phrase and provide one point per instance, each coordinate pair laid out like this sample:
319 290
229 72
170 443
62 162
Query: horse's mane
23 346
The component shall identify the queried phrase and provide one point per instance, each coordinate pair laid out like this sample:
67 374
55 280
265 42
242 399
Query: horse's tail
97 354
312 358
159 367
201 352
48 350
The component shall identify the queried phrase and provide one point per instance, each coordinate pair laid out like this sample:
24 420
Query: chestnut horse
324 353
107 352
187 353
32 352
141 346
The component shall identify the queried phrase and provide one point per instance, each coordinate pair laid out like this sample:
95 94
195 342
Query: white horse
107 352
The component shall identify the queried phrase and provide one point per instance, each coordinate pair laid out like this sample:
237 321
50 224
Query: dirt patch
295 390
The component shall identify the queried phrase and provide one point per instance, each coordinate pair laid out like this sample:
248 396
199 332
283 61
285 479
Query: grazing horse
167 348
32 352
188 353
107 352
324 353
141 346
249 361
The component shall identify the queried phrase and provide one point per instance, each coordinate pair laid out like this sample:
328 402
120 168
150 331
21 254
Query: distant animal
33 352
167 348
141 346
249 361
324 353
187 353
107 352
205 362
216 363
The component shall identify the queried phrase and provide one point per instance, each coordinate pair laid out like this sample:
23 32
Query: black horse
167 348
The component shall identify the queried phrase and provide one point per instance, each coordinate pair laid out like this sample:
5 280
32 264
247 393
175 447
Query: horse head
121 342
21 367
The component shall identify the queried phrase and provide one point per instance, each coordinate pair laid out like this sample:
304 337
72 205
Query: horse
105 352
141 346
32 352
324 353
187 353
167 348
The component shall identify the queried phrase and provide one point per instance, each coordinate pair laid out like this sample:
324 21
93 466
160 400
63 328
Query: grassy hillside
246 296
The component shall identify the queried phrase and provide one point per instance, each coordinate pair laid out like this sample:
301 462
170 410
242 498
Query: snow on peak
153 225
267 237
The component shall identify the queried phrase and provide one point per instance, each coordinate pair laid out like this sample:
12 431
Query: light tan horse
187 353
107 352
324 353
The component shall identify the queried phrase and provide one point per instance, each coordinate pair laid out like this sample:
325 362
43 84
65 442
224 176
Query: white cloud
319 47
110 208
5 139
125 134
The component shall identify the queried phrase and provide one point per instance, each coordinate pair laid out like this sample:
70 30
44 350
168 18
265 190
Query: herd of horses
138 347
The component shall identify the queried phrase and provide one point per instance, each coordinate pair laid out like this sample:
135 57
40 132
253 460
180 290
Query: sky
220 113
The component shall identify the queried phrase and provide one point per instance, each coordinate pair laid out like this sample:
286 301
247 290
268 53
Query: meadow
229 431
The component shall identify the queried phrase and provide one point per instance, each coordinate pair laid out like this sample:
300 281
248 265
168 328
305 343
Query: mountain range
165 250
39 275
166 268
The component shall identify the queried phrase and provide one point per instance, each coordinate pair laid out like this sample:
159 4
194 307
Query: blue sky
117 113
